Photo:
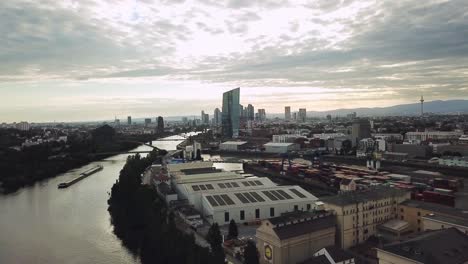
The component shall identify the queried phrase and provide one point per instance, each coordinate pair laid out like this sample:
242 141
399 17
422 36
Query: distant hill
436 107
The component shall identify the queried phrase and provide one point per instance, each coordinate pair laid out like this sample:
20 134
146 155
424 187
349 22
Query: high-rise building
329 118
261 115
147 121
241 112
361 129
287 112
205 118
302 116
217 117
230 114
160 128
250 112
23 126
129 120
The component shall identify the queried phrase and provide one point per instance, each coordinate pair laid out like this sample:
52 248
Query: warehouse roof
237 143
273 144
262 196
229 185
437 208
444 246
448 219
375 193
300 223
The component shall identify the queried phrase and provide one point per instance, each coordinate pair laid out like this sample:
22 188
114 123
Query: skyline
143 58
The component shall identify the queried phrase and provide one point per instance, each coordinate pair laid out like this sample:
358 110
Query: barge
82 176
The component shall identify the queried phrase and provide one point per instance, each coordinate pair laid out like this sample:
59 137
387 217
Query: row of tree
145 224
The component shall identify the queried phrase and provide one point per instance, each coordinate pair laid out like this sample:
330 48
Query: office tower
361 129
217 117
287 113
294 116
250 112
302 116
422 105
353 115
241 112
185 120
160 128
329 118
230 115
261 115
129 120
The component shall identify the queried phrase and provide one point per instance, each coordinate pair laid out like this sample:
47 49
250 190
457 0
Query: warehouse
256 204
233 145
280 147
192 191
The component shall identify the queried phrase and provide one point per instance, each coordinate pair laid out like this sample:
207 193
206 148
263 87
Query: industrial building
358 213
224 195
295 237
280 147
233 145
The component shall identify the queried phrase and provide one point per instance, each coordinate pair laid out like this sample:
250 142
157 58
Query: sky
79 60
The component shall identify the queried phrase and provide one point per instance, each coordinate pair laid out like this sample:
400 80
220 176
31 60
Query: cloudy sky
70 60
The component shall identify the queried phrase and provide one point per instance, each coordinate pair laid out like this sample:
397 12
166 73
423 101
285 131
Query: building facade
295 237
359 213
230 115
287 113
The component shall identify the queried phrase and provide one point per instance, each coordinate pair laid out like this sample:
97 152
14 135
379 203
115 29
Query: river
43 224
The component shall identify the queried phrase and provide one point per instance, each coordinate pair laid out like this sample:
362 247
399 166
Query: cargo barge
82 176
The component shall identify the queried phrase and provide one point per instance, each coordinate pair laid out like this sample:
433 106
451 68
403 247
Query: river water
43 224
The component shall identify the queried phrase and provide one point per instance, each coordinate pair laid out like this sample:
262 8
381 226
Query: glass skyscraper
230 114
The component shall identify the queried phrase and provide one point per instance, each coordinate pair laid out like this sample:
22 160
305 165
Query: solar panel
203 187
275 193
235 184
249 197
228 185
285 194
211 201
227 199
246 184
209 186
257 196
219 200
269 195
241 198
221 185
195 187
298 193
258 182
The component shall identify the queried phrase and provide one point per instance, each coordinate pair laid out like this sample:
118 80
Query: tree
233 232
346 145
250 253
215 240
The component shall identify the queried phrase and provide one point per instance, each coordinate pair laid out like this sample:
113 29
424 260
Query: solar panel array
228 185
298 193
252 183
219 200
202 187
249 197
276 195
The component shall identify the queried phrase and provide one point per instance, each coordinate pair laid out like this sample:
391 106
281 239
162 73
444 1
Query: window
419 221
296 208
419 229
242 215
419 213
401 210
272 211
257 213
401 217
308 207
226 216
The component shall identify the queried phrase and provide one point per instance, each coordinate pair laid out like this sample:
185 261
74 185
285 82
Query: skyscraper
160 128
287 112
261 115
250 112
129 120
361 129
230 114
217 117
302 116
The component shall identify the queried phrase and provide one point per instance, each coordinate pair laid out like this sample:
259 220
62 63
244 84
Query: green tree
233 232
250 253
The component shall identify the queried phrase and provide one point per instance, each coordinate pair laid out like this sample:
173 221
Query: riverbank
25 168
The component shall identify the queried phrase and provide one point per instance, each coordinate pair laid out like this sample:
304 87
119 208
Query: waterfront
44 224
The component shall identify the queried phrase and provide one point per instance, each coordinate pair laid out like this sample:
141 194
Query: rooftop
437 208
353 197
273 144
234 143
338 254
299 223
446 246
448 219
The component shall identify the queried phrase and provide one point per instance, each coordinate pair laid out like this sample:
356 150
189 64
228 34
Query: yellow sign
268 253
